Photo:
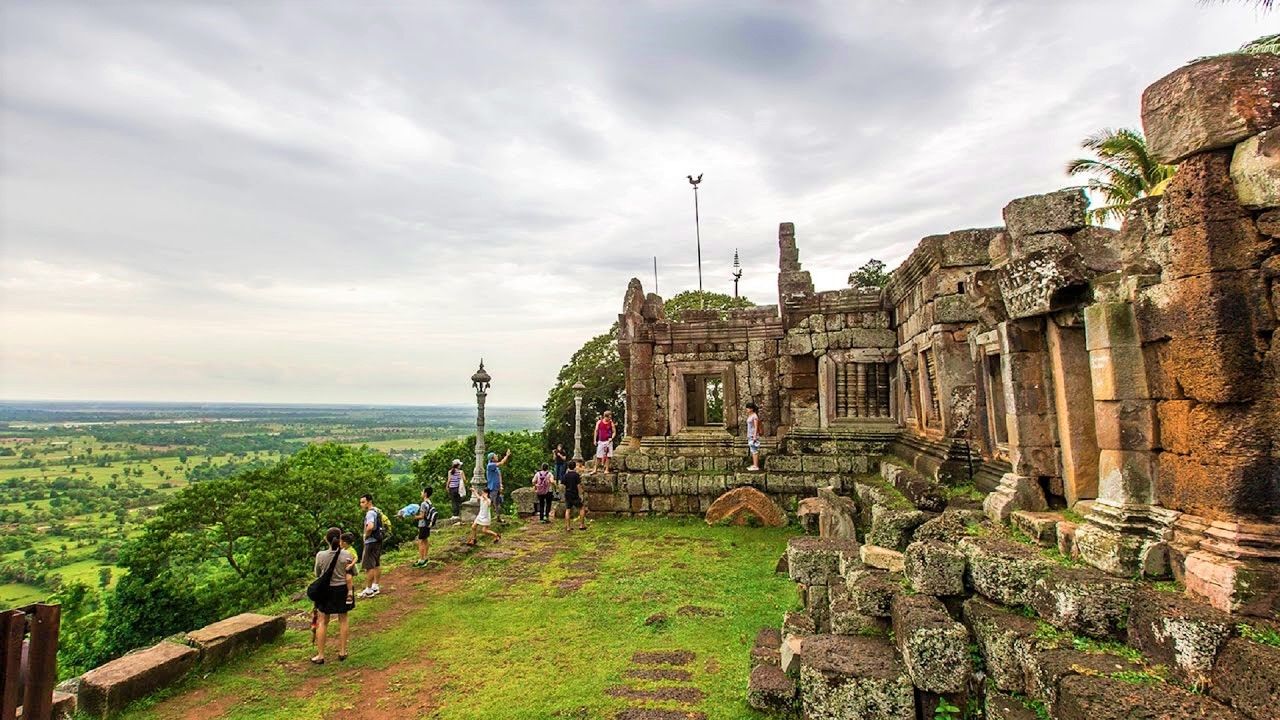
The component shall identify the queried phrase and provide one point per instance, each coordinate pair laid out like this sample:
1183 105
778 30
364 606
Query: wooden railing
29 660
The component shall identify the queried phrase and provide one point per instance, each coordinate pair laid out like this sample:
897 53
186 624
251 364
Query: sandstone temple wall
1131 376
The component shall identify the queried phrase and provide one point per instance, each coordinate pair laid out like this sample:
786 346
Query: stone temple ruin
1038 417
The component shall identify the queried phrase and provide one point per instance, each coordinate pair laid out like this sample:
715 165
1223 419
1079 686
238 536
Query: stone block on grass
935 568
815 560
1005 640
1082 697
770 690
1042 527
892 528
245 631
854 677
767 648
871 591
882 558
1003 570
934 648
1047 667
1178 632
107 689
846 619
1084 601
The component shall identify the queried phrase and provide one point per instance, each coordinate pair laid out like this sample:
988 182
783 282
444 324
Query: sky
356 202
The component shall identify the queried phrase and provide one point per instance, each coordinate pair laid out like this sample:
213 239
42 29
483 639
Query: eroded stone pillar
1073 406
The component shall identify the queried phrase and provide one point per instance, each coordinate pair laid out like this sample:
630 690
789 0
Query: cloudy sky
355 202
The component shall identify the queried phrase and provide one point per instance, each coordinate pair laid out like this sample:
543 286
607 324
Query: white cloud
354 203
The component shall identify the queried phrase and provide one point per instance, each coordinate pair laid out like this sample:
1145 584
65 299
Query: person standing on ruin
753 435
604 441
493 482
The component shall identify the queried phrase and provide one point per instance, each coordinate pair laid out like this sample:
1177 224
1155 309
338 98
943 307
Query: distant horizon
253 403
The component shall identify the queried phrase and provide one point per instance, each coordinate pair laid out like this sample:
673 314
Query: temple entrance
703 395
704 401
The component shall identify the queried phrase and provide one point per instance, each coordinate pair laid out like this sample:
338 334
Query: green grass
410 443
1264 635
542 634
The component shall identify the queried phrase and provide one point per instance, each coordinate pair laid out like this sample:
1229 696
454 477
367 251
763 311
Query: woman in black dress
333 560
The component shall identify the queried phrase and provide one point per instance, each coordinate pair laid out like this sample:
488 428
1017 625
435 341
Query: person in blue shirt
493 476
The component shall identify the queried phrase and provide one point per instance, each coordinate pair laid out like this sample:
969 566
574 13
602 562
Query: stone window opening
704 403
862 390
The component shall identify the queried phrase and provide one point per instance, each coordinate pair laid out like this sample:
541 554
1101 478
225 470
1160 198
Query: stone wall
1130 376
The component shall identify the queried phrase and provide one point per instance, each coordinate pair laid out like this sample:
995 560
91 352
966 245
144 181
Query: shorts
424 533
754 445
372 556
572 502
604 449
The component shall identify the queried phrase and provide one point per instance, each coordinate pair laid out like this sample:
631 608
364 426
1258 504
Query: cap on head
493 456
457 463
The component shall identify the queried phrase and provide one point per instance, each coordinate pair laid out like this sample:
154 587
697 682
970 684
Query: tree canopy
1123 171
871 275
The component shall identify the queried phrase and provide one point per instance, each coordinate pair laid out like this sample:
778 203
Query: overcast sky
356 201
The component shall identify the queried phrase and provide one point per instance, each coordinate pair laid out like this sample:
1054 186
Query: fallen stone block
1015 492
817 601
854 677
742 503
1255 170
1247 676
1042 527
892 528
1000 706
1180 633
796 626
871 592
769 689
883 558
934 648
918 491
837 516
245 631
934 568
1210 104
1005 639
1047 667
1003 570
1108 698
815 560
767 648
524 499
950 526
107 689
1067 539
1061 211
1084 601
845 618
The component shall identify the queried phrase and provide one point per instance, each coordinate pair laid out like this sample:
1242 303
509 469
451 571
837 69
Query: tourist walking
493 480
483 519
426 517
371 557
753 435
542 482
573 497
456 485
332 562
561 459
604 441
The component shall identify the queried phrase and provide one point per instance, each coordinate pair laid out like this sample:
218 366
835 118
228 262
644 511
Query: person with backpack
331 597
456 485
542 482
375 531
426 518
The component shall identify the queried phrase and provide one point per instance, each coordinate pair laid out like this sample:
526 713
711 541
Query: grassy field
421 444
546 624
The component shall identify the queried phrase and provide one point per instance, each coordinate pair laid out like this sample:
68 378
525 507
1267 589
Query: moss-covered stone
935 568
1003 570
1084 601
1005 640
845 677
934 648
816 560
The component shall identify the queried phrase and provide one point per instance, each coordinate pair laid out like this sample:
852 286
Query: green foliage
1264 635
1124 171
872 274
1267 44
528 452
597 366
80 629
675 306
946 711
225 545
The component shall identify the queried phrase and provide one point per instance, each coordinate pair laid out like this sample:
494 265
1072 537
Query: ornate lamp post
578 387
479 381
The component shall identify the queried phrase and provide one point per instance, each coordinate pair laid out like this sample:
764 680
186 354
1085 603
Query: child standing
542 487
349 539
483 519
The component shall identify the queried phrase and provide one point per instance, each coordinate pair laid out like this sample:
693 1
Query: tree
871 275
1268 44
674 307
1124 170
528 452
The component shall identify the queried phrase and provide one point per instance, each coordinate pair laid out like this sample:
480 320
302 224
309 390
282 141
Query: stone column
1073 407
577 422
1125 533
1028 417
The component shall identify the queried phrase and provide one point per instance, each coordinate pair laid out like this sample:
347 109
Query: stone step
854 677
1041 527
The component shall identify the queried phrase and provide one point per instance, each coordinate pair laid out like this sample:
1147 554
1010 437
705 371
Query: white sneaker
376 588
367 593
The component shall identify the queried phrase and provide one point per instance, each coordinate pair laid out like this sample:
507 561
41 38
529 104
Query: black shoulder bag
315 591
